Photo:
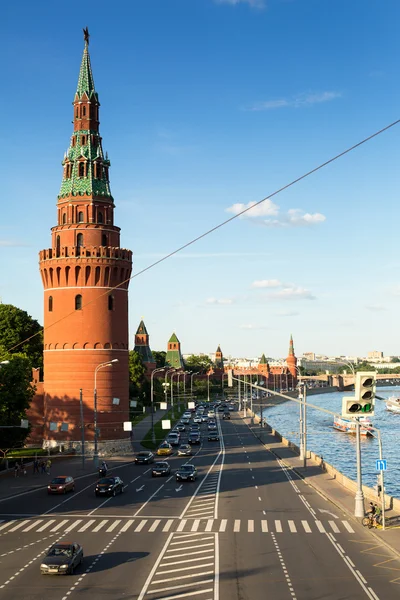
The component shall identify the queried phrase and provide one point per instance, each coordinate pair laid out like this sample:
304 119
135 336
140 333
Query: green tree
159 357
19 333
136 375
197 363
16 393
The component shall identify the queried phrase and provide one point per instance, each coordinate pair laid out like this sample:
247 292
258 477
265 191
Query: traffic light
363 401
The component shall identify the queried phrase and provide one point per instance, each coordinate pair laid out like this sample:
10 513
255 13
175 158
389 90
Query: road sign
127 426
381 465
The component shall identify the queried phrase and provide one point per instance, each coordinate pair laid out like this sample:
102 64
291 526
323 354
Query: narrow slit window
110 302
78 302
50 303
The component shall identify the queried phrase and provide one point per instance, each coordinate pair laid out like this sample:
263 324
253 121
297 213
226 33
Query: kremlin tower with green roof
142 347
85 274
174 357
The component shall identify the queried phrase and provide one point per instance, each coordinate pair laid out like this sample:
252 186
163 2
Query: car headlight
43 566
110 487
64 566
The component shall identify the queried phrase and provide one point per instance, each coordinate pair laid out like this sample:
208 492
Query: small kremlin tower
142 347
219 359
291 360
263 366
85 276
174 356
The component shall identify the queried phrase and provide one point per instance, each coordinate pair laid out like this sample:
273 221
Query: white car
211 414
197 419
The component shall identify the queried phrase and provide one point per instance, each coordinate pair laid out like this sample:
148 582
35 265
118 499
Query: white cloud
375 308
267 283
263 209
252 3
301 100
293 293
294 217
219 301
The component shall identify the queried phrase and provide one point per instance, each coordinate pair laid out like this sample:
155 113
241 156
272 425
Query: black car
226 415
61 559
180 427
109 486
213 436
160 468
186 473
144 458
194 438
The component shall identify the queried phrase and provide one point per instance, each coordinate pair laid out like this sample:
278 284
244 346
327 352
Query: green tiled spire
174 357
85 80
173 339
142 328
263 360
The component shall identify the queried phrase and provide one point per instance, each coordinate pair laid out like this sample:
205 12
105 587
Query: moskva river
339 449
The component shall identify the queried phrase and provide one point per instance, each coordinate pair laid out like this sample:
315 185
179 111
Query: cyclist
377 515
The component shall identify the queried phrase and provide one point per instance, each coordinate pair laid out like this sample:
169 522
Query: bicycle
371 521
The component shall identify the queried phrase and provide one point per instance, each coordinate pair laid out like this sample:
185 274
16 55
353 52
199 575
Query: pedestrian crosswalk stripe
141 525
32 525
113 526
46 525
59 525
306 526
278 526
100 525
335 528
73 526
236 527
292 527
87 525
127 525
167 525
209 525
222 527
250 526
155 525
21 524
320 526
6 524
348 527
196 524
264 526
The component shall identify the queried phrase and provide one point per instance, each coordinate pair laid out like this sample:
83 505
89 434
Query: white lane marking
59 525
223 524
335 528
72 497
181 525
141 525
184 595
179 587
361 577
292 527
236 526
167 525
320 526
306 526
278 526
46 525
264 526
73 525
187 560
190 548
188 576
113 526
209 525
222 445
197 491
250 526
21 524
283 565
127 525
7 524
210 564
196 539
154 569
87 525
348 526
148 500
259 497
195 525
32 525
155 525
216 568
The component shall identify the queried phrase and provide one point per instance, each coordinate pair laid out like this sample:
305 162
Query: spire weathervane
86 35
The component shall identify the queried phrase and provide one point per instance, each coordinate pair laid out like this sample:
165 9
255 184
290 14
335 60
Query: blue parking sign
381 465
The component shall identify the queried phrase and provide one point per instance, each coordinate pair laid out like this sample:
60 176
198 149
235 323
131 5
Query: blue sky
207 106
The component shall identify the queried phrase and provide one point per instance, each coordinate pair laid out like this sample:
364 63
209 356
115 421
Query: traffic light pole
359 509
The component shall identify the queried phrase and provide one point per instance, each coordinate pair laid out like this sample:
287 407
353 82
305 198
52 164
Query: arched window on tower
78 302
100 218
77 112
58 246
50 303
84 111
110 302
81 171
79 243
64 218
83 139
80 217
104 240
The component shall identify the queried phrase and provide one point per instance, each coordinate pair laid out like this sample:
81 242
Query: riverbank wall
370 494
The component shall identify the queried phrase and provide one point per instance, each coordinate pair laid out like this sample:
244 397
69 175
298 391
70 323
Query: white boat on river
349 426
393 404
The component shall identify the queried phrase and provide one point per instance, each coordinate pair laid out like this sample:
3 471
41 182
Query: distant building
375 355
174 357
142 347
309 355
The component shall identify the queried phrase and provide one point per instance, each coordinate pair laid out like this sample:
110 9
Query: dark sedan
144 458
213 437
62 559
109 486
160 468
194 438
186 473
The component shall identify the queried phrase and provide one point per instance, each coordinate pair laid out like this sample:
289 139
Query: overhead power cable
219 226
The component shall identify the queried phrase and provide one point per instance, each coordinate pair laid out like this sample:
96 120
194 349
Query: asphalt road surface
246 529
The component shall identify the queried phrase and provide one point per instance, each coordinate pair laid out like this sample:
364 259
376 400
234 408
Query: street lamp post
208 386
191 384
109 363
153 437
172 396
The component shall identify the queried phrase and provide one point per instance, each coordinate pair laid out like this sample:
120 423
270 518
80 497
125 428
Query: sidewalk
323 483
140 430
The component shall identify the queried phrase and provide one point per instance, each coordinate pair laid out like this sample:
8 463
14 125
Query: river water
339 449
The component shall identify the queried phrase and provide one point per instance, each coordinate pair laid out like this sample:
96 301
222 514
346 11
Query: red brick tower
85 315
291 360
